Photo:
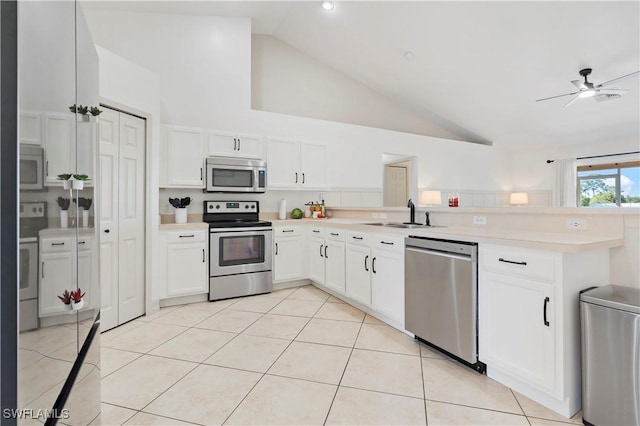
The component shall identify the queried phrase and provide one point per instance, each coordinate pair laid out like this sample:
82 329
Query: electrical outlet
479 220
375 215
383 215
577 224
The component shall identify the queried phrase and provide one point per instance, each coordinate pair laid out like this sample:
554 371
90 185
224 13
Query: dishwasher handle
439 253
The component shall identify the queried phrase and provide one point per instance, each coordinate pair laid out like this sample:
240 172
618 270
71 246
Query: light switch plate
479 220
580 224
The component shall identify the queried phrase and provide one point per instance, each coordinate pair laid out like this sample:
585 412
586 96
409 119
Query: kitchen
218 99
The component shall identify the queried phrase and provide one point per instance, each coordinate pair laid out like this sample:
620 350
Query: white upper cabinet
58 146
30 132
228 144
296 165
183 157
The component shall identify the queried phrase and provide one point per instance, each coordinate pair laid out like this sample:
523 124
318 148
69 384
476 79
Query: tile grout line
424 392
344 371
520 405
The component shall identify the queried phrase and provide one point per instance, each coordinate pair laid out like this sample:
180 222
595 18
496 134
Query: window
609 185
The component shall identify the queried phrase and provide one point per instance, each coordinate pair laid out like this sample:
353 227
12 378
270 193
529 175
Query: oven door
239 251
28 268
31 168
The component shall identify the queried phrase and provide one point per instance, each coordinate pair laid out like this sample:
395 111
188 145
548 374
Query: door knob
106 231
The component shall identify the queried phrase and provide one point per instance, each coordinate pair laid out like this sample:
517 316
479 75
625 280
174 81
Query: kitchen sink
402 225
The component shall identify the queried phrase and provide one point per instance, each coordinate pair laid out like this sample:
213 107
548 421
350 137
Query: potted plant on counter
64 204
180 205
76 299
85 205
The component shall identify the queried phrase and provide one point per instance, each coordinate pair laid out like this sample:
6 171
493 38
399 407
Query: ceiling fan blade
559 96
571 101
612 91
578 83
616 80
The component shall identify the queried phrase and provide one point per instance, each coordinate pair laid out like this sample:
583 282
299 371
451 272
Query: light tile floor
297 357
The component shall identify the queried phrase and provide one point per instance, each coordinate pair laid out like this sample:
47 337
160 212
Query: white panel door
358 280
335 265
131 218
109 137
387 284
282 164
313 166
395 186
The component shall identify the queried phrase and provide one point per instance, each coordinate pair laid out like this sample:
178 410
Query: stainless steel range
33 218
240 254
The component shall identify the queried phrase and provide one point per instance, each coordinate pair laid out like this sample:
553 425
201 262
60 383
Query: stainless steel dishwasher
441 296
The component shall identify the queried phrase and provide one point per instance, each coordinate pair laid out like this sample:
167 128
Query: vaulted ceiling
475 68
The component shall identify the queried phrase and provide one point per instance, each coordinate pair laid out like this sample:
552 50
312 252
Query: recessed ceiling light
328 5
409 55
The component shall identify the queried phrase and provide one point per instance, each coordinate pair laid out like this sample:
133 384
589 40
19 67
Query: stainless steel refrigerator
51 355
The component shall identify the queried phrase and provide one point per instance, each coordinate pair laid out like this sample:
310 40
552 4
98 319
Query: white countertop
572 241
66 232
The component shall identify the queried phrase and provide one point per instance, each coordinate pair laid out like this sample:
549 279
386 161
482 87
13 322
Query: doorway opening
399 179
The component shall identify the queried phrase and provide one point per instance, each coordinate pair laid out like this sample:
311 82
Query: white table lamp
430 198
519 198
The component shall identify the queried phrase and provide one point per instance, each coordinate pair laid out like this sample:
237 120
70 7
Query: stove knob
217 206
253 206
246 206
34 210
209 207
40 209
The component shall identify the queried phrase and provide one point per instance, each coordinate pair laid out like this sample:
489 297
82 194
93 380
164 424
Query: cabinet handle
287 230
276 249
303 178
200 173
513 262
334 234
187 236
106 231
57 244
235 142
42 271
384 242
357 238
46 168
365 263
203 256
325 252
296 177
238 144
321 245
315 231
373 265
80 242
544 309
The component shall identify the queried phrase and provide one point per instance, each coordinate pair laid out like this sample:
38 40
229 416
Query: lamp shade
519 198
431 197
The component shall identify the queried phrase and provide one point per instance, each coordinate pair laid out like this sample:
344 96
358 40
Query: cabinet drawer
52 245
518 262
186 237
316 231
388 242
287 231
360 238
84 243
335 234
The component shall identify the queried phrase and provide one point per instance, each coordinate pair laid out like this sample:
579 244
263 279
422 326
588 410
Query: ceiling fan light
328 5
587 94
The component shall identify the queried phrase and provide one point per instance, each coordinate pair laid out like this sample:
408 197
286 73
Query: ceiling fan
600 92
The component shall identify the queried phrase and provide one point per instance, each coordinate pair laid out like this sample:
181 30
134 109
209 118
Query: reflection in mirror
57 248
399 179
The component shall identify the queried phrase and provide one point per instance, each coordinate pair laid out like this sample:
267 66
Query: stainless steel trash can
610 317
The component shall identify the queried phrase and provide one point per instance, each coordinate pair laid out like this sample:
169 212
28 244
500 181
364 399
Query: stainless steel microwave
31 168
236 175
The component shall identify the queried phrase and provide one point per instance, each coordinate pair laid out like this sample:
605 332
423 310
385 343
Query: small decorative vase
78 184
76 306
64 218
85 218
66 184
181 215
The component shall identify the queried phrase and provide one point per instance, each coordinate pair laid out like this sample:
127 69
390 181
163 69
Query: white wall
132 88
204 66
288 81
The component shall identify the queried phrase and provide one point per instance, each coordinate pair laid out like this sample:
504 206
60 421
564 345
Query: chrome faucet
412 217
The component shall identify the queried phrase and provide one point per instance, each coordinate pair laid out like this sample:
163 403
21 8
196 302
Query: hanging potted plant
180 205
78 181
64 203
76 299
65 178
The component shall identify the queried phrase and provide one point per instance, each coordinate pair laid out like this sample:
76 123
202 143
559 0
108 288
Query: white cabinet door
85 148
288 262
58 147
282 164
30 132
56 276
316 260
313 166
513 333
85 277
335 265
358 273
184 157
387 284
187 270
228 144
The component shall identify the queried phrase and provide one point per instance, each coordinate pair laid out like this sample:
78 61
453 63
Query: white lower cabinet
387 276
327 259
529 329
358 267
186 259
288 254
